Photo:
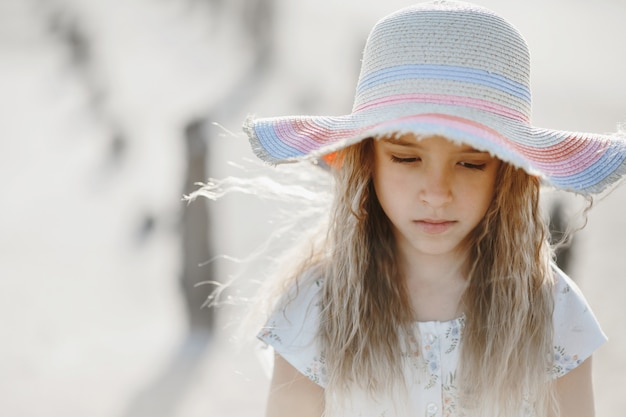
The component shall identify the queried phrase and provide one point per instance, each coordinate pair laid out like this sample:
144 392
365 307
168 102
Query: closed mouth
434 226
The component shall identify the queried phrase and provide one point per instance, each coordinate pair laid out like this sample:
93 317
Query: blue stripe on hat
594 174
275 146
444 72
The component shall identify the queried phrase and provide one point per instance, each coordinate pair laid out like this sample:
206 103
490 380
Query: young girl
432 292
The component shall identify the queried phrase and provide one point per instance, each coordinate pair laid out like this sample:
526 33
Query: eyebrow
415 144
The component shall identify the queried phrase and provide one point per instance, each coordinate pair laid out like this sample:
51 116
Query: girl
432 291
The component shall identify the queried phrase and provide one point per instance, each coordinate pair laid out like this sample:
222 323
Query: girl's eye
478 166
404 160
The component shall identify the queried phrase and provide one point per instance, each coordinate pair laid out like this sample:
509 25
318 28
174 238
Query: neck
435 285
423 268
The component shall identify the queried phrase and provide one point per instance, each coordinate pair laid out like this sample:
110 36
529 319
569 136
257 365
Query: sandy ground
91 314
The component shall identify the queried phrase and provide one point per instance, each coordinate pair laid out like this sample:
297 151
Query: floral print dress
431 376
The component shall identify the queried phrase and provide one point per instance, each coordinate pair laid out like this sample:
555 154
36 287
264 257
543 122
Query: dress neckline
457 320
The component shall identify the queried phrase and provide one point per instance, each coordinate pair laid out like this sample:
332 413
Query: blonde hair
366 315
364 301
507 339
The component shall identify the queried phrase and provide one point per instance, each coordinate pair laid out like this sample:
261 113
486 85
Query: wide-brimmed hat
455 70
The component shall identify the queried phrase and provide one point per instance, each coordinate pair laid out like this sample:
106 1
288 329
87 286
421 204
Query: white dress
291 332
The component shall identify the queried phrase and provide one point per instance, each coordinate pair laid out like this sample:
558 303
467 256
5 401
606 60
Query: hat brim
584 163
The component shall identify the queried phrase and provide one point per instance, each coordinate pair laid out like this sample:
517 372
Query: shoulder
570 304
305 288
292 328
577 333
564 286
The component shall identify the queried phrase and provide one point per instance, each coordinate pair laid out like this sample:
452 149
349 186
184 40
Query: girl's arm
293 394
575 392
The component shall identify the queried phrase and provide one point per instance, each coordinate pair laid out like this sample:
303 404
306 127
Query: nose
435 190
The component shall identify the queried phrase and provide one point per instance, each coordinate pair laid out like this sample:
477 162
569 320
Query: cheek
484 198
478 196
389 188
381 189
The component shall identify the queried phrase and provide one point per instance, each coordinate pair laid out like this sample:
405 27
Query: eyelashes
399 160
477 166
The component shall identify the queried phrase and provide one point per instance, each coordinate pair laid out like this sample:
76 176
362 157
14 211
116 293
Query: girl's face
433 191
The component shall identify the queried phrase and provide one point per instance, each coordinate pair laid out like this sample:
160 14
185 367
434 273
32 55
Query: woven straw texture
456 70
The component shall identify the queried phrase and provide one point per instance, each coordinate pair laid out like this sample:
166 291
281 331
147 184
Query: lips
434 226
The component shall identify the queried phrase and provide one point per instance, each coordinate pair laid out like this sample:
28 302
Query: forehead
412 141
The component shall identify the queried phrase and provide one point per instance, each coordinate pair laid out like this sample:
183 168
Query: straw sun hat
455 70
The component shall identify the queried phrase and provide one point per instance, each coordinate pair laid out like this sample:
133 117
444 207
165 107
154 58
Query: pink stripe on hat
456 70
475 103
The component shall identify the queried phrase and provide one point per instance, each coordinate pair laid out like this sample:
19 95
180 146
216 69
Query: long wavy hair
508 336
367 319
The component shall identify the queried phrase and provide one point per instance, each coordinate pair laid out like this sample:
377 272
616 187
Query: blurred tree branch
66 27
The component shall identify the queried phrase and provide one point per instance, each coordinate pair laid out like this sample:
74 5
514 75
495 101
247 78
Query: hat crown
443 51
454 70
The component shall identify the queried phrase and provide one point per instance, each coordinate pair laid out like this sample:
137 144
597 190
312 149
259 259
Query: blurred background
111 110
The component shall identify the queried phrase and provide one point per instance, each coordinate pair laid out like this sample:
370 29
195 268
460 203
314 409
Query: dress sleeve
292 330
577 333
